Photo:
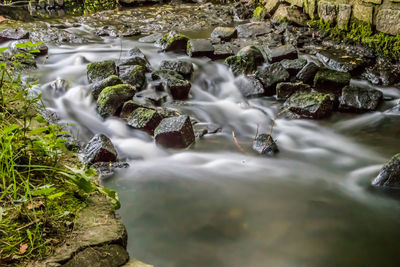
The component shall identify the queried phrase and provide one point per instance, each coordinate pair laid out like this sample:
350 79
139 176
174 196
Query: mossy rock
173 41
331 81
144 119
135 76
246 61
99 86
175 132
112 98
174 83
260 13
98 71
311 104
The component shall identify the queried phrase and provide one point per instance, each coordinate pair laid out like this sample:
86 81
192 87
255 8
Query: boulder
173 41
307 73
135 57
344 16
293 66
182 67
200 48
13 34
355 99
264 144
99 149
327 12
152 97
280 53
96 87
339 60
387 21
174 83
389 175
253 29
285 90
112 98
175 132
144 119
98 71
135 76
224 33
311 104
382 74
331 81
129 107
249 86
222 51
246 61
291 14
271 75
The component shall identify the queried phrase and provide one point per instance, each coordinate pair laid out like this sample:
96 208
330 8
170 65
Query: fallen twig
238 145
27 225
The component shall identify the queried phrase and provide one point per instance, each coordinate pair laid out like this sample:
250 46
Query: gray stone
264 144
387 21
382 74
152 38
307 73
271 75
144 119
13 34
99 149
327 12
285 90
312 105
174 83
253 29
341 61
135 76
173 41
355 99
97 87
344 16
182 67
98 71
249 86
280 53
200 48
175 132
222 51
389 175
294 66
224 33
246 61
95 257
202 129
363 12
290 14
136 57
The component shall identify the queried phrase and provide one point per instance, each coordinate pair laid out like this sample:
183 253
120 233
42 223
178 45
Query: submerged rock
389 175
98 71
286 89
144 119
97 87
175 132
271 75
202 129
59 85
182 67
280 53
135 76
264 144
246 61
99 149
173 41
355 99
307 73
112 98
224 33
13 34
331 81
249 86
253 29
313 105
200 48
174 83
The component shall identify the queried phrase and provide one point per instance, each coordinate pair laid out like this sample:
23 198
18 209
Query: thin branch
238 145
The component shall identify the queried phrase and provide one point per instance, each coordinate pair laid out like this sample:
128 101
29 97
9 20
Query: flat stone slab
280 53
253 29
200 48
224 33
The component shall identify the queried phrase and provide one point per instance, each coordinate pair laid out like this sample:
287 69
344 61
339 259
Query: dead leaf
2 19
22 248
345 56
35 205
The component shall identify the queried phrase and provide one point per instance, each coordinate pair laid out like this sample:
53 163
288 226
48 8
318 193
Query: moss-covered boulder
129 107
173 41
246 61
389 175
99 149
311 104
271 75
264 144
331 81
286 89
97 87
144 119
356 99
112 98
174 83
135 76
98 71
175 132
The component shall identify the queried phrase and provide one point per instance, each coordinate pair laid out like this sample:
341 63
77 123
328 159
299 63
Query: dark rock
154 97
313 105
112 98
13 34
246 61
106 169
99 149
294 66
224 33
144 119
152 38
129 107
97 87
175 132
253 29
173 41
285 90
389 175
202 129
200 48
222 51
271 75
249 86
176 85
331 81
307 73
355 99
135 75
382 74
136 57
98 71
243 10
339 60
280 53
184 68
264 144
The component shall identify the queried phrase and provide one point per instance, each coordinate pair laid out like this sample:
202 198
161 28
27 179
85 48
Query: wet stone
135 76
222 51
202 129
389 175
271 75
182 67
200 48
13 34
144 119
99 149
307 73
264 144
253 29
224 33
382 74
175 132
355 99
43 49
293 66
98 71
129 107
136 57
152 38
285 90
249 86
97 87
312 105
173 41
280 53
341 61
331 81
59 85
112 98
246 61
156 98
174 83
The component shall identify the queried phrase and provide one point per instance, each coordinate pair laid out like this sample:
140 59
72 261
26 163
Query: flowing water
212 205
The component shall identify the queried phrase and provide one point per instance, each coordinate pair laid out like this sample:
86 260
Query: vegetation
42 185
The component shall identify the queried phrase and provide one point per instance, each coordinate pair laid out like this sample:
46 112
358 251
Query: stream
213 205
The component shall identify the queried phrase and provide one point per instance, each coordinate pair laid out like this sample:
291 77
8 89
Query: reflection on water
212 205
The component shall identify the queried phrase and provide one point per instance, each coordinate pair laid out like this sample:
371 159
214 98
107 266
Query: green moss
97 71
259 13
142 116
113 97
331 76
91 6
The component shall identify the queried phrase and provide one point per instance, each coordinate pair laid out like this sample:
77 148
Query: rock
129 107
264 144
112 98
344 16
355 99
182 67
59 85
242 10
327 11
13 34
271 6
311 104
98 71
246 61
202 129
260 13
307 73
152 38
173 41
249 86
144 119
136 263
291 14
271 75
387 21
222 51
153 97
280 53
136 76
253 29
200 48
293 66
331 81
363 12
382 74
97 87
224 33
341 61
136 57
285 90
174 83
99 149
175 132
389 175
